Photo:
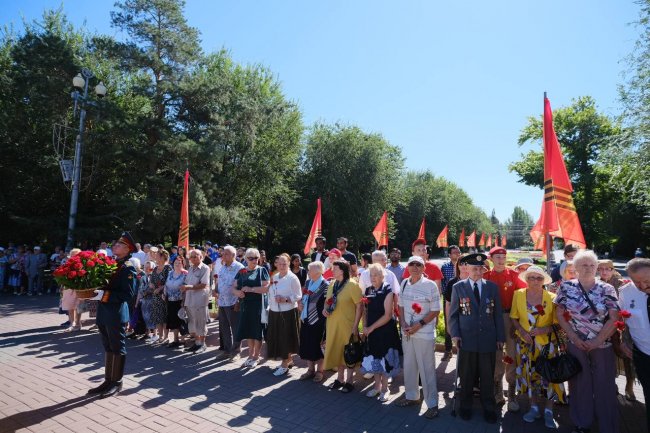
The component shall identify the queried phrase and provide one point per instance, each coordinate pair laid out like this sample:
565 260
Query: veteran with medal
113 315
477 329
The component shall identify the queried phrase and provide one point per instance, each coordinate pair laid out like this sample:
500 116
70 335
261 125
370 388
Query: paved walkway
44 375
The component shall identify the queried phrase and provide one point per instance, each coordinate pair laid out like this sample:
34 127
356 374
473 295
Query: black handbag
560 368
353 352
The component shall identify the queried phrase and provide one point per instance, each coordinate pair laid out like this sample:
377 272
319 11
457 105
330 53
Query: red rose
100 262
624 314
365 301
417 308
620 325
330 301
78 266
508 360
81 273
90 264
86 254
72 274
566 315
540 309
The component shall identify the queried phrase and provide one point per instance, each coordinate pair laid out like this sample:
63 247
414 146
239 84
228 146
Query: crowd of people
500 319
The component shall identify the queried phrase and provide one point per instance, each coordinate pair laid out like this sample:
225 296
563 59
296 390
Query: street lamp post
80 81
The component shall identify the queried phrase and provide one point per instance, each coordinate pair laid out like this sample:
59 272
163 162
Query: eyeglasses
535 278
416 264
252 258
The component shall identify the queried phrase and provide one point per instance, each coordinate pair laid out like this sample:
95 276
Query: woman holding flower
533 316
587 310
380 331
343 312
282 334
312 322
174 299
157 281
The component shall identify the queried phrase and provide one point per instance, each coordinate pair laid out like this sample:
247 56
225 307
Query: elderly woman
380 331
587 310
69 302
174 299
567 272
343 310
533 316
252 284
157 281
282 334
312 322
145 300
197 294
609 275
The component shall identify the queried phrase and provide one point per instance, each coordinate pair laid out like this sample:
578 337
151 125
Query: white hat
417 259
536 270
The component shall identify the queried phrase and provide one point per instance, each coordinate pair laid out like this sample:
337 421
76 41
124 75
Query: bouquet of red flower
365 301
85 273
620 324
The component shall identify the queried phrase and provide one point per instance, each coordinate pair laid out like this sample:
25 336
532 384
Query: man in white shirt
379 256
634 298
197 294
139 254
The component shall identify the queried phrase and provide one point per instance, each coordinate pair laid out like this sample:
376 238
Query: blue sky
451 83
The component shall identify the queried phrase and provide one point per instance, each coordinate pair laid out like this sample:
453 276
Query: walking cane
453 407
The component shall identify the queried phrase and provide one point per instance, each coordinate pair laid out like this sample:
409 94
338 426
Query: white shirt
216 266
198 275
424 292
480 286
284 287
632 299
320 257
141 255
389 278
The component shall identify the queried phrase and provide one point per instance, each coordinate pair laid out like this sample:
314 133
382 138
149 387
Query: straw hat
536 270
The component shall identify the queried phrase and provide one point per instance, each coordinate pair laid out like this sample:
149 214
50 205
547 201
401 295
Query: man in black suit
476 328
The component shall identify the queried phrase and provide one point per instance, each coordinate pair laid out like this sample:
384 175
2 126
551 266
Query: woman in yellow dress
533 315
343 310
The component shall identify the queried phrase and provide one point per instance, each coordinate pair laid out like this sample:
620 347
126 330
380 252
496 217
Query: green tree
518 228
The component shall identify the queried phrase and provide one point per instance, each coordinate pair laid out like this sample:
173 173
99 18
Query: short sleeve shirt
198 275
636 302
507 281
426 294
585 322
350 257
227 274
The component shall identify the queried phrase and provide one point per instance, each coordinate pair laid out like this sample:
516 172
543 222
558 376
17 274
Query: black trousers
114 338
448 345
642 366
471 365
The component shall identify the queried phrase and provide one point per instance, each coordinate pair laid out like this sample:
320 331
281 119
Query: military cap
128 240
473 259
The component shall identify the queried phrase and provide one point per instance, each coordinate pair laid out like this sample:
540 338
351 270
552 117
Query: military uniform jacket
479 326
113 308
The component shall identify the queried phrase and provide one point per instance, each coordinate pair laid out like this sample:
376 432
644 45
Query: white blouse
286 288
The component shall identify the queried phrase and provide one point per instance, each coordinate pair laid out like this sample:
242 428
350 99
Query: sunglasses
535 278
252 258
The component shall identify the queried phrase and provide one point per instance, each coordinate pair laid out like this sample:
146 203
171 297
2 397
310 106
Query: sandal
347 387
318 377
307 375
336 384
406 402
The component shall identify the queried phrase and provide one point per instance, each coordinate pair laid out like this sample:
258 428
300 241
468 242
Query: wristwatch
423 323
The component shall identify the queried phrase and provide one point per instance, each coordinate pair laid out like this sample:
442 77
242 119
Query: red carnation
620 325
78 266
242 271
90 264
417 308
305 292
309 292
100 262
566 315
540 309
82 272
72 274
508 360
365 301
624 314
330 301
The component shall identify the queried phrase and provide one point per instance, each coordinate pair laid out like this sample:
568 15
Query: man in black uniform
113 315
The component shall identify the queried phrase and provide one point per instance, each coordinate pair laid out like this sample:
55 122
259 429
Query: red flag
481 242
489 241
471 240
461 239
421 234
184 230
316 230
380 232
442 238
558 216
504 241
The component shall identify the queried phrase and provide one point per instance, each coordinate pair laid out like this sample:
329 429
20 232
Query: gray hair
195 251
635 265
253 251
381 254
317 264
230 249
585 256
377 268
136 263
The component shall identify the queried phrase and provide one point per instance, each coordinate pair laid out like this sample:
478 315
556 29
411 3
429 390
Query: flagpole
549 241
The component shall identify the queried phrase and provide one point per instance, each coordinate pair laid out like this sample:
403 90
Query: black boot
116 376
108 366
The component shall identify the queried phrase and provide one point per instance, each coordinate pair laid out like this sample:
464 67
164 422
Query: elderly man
634 297
477 329
507 281
197 294
228 314
35 265
113 315
419 307
379 256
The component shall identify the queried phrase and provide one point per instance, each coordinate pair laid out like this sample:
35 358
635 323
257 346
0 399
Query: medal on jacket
490 306
465 306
